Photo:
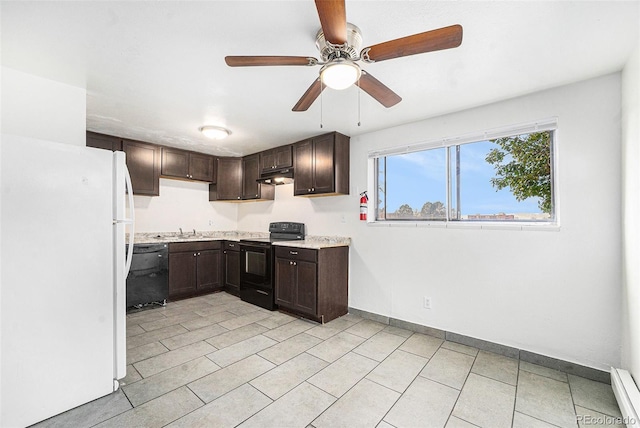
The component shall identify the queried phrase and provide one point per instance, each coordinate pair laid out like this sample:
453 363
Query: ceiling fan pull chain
358 89
321 103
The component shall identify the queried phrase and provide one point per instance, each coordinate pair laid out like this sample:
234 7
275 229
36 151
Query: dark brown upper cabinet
321 166
185 165
228 186
103 141
251 189
143 161
280 157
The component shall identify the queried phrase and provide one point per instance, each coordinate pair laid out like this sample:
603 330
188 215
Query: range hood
279 176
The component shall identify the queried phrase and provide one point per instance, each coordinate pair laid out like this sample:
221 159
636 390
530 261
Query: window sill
524 226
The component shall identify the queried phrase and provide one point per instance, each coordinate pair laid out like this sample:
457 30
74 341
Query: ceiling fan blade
378 90
333 19
309 97
249 61
429 41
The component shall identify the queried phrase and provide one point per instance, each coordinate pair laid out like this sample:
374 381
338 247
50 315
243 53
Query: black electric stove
257 284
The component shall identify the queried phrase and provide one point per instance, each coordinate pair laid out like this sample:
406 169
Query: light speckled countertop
164 237
311 241
317 242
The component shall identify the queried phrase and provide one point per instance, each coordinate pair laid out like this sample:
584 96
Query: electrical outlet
210 222
426 302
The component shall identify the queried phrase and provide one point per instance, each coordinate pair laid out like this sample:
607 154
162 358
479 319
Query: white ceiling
155 71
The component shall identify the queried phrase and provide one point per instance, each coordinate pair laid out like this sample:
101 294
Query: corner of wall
630 311
41 108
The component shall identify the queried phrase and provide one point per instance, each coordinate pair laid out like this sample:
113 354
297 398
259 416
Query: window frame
374 156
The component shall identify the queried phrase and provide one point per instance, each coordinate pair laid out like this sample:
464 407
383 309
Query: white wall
183 204
631 215
557 293
42 109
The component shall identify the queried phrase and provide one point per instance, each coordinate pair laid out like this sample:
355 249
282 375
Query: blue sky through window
418 177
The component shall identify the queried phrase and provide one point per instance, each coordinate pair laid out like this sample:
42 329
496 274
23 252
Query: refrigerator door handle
130 220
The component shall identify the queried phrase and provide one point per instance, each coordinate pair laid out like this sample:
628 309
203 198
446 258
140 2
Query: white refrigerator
63 220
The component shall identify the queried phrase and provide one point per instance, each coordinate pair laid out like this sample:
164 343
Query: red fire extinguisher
363 206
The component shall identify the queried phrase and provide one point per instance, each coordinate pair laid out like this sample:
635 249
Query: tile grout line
573 402
515 399
408 386
364 377
463 384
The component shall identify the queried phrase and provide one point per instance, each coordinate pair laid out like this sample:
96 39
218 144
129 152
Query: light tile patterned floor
215 361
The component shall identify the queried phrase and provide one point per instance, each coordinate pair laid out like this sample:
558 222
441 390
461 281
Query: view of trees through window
503 179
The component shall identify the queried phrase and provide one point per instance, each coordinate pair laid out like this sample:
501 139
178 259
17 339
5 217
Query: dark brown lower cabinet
194 268
231 266
312 283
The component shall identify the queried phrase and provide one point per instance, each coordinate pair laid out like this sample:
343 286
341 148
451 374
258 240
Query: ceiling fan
339 43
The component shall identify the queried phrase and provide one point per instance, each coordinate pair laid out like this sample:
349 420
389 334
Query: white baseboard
627 395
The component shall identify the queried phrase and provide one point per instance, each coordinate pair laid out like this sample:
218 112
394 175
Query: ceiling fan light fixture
215 132
340 74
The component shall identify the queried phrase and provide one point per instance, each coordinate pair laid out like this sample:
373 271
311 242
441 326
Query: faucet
194 232
180 230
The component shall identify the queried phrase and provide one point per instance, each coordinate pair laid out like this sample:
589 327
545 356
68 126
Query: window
502 176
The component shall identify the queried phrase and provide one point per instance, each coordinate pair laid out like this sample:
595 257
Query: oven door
256 267
255 264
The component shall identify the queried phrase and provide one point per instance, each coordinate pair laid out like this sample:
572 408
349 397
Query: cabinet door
232 271
267 160
303 168
182 273
143 161
208 270
229 183
285 282
103 141
324 172
306 287
175 163
283 158
201 167
250 173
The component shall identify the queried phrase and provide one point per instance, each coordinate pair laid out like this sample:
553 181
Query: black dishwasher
148 279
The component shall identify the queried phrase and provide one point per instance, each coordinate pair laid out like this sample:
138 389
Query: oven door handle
262 292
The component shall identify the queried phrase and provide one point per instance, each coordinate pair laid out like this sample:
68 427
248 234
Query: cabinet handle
295 253
232 245
198 253
159 255
295 263
308 190
194 254
262 292
290 263
313 189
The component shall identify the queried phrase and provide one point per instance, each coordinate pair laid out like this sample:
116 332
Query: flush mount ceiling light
215 132
340 74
